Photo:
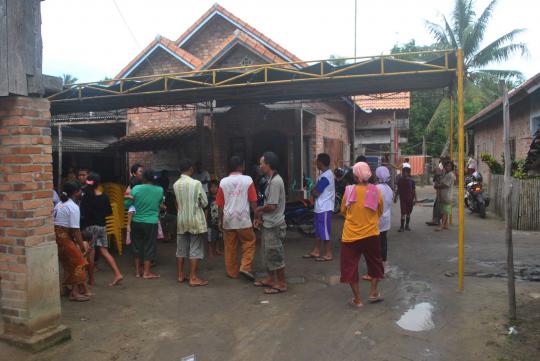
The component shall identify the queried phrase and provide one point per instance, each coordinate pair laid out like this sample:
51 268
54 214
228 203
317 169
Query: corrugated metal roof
82 144
154 138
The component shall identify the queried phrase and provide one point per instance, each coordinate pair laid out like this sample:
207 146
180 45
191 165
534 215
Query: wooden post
59 184
508 204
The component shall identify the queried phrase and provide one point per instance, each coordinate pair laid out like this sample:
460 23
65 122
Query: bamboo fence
525 201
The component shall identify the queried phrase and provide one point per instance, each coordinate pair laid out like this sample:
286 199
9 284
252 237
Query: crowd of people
205 211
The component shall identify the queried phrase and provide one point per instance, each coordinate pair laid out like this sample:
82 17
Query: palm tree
466 30
69 79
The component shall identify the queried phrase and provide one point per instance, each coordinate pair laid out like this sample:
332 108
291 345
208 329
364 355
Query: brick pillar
30 295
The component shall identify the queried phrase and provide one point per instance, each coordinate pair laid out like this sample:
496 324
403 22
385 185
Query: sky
90 39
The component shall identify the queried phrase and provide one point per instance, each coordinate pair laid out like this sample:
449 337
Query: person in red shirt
236 194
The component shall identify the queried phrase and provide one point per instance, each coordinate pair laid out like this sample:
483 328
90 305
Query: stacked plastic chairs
116 222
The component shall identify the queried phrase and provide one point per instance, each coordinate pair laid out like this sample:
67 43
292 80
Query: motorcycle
343 177
299 216
475 200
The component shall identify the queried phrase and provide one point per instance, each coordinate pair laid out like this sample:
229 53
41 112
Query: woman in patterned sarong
70 243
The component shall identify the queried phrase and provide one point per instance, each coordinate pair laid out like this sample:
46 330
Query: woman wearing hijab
362 207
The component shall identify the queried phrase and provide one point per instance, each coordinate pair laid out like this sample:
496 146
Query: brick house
296 131
374 126
487 125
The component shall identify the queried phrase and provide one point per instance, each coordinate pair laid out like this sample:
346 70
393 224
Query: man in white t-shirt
236 194
325 194
202 175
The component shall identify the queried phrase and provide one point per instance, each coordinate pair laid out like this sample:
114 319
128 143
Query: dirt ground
232 320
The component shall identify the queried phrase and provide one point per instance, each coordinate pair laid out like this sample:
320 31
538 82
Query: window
535 125
246 61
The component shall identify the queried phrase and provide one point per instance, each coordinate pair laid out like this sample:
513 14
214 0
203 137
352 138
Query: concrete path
232 320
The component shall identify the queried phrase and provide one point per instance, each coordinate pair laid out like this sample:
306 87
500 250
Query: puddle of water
417 318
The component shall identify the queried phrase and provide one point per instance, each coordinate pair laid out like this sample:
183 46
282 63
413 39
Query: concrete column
30 295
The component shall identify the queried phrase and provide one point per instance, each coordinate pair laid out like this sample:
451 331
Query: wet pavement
422 316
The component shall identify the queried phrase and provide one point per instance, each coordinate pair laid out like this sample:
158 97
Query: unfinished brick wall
488 136
28 252
236 56
142 118
160 62
206 41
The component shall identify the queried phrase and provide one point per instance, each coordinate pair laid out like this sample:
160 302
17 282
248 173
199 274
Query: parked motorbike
299 216
343 177
475 200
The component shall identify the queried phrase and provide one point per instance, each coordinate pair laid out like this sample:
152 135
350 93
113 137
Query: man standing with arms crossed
325 194
236 194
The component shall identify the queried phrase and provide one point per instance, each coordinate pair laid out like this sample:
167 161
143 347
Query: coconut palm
69 79
466 30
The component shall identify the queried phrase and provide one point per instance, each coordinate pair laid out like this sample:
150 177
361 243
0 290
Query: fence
525 201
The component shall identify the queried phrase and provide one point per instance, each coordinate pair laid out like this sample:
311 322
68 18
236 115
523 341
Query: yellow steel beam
451 136
461 172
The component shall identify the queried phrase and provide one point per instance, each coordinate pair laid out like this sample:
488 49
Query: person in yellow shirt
362 207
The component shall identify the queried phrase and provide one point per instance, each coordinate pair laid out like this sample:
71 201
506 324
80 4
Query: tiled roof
241 37
384 101
248 28
493 107
153 138
170 45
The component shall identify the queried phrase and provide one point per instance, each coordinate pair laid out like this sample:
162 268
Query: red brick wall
488 136
209 38
235 57
160 62
25 203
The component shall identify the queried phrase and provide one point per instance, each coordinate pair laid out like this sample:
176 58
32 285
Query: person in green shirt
147 199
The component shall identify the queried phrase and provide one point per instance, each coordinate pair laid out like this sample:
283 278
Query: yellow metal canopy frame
267 83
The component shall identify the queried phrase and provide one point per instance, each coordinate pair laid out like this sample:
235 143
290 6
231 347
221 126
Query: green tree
68 79
466 30
423 105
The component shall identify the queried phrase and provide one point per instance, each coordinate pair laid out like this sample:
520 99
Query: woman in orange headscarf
362 207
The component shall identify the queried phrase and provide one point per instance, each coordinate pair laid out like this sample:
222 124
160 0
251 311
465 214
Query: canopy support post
461 170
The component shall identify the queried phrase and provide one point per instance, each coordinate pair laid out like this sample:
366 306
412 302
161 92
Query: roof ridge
241 36
498 101
231 17
169 44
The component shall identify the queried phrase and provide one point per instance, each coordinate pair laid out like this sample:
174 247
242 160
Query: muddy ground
231 320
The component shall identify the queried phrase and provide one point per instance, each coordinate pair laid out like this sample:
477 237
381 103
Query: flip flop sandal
261 284
79 299
274 290
151 277
309 255
354 304
247 275
201 284
323 259
376 299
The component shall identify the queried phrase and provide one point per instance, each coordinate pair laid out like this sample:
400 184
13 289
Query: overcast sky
89 39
